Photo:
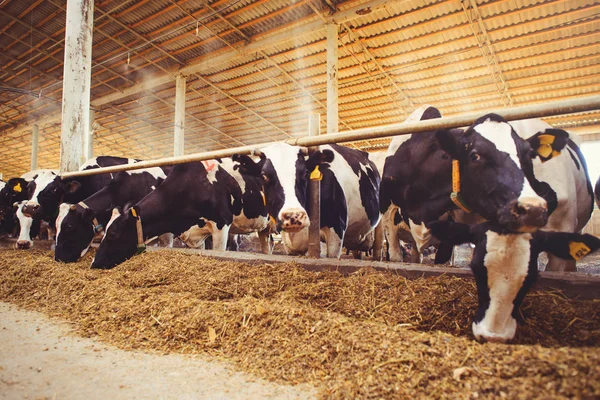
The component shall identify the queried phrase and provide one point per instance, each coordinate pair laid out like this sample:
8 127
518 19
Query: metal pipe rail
580 104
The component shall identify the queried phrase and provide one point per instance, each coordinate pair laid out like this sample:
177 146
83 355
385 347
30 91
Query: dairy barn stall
381 225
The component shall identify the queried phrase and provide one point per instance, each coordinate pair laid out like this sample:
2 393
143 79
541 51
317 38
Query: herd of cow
512 189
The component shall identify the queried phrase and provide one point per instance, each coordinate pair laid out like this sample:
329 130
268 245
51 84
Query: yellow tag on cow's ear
545 149
17 188
316 175
578 249
133 212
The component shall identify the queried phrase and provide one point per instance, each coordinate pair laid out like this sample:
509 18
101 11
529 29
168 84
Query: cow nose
23 244
294 219
532 212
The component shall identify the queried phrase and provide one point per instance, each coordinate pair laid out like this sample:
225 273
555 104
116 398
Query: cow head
496 173
24 241
46 191
120 239
74 232
13 191
505 267
285 172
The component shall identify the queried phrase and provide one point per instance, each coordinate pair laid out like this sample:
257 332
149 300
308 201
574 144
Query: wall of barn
593 227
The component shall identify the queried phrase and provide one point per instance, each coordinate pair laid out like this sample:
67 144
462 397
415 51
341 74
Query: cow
415 187
12 196
77 224
505 267
349 194
211 194
524 175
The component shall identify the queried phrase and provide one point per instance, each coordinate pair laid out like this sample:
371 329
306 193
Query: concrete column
332 78
178 138
88 144
76 82
314 195
35 141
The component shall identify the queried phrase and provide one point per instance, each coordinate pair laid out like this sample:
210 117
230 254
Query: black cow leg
444 253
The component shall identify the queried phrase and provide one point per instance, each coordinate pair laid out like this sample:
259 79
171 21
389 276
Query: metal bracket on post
314 195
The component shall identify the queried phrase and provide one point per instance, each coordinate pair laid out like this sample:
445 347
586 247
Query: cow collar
455 196
141 245
98 227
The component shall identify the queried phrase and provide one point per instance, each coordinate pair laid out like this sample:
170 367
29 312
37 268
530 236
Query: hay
368 335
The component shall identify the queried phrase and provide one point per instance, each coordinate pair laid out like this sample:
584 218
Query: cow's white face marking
499 133
63 210
25 223
113 217
227 164
507 264
283 157
43 179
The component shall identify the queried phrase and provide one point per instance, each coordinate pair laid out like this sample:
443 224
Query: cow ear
247 165
73 187
450 141
568 246
452 232
319 157
549 144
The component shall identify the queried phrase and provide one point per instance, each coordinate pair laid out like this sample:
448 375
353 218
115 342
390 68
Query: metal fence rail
580 104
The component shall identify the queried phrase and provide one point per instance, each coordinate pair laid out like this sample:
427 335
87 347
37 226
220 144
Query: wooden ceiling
256 68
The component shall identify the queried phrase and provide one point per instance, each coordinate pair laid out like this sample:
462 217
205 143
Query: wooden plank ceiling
256 68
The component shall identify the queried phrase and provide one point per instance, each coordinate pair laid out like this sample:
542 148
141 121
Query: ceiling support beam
76 83
332 78
179 133
35 142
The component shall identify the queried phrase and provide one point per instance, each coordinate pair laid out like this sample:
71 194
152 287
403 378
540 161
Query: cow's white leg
263 238
391 234
220 238
333 241
378 245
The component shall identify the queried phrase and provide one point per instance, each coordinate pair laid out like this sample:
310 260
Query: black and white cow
12 197
203 194
349 194
77 224
505 267
523 184
415 186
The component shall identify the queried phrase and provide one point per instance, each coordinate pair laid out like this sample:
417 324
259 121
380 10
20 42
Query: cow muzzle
525 215
23 244
294 220
32 210
483 333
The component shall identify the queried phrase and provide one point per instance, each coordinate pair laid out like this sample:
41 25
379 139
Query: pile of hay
371 334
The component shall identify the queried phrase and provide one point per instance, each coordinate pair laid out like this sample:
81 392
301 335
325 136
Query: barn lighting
128 58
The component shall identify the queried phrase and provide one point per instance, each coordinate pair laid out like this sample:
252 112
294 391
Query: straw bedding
367 335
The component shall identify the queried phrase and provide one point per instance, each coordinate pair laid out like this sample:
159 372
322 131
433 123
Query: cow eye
474 157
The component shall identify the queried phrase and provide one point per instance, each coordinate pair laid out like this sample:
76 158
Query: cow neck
456 196
98 227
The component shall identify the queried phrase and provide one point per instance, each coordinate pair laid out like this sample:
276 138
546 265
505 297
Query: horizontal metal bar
579 104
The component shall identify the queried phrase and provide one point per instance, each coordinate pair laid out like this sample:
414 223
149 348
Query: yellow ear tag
578 249
17 188
545 150
133 212
316 175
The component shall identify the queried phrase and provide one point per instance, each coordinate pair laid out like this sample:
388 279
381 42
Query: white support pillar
178 139
88 143
76 82
314 195
332 78
35 141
